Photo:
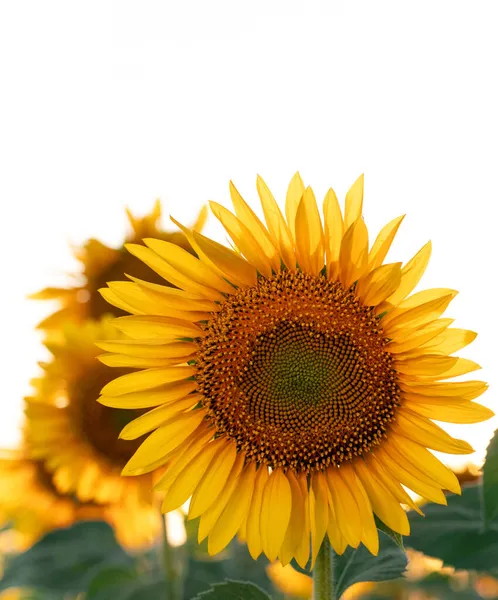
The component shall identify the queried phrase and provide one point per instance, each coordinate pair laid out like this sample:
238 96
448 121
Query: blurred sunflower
33 506
304 381
100 264
75 436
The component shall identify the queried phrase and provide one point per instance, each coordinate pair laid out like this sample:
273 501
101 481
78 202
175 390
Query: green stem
169 569
323 573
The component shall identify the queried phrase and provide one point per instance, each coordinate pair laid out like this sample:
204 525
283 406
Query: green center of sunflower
295 370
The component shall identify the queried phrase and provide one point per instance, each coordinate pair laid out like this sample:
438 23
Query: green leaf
108 582
233 590
455 533
394 535
234 564
357 565
490 482
66 560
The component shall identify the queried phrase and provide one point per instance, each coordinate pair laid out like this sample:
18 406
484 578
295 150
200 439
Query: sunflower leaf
66 560
109 581
490 482
359 565
455 533
394 535
233 590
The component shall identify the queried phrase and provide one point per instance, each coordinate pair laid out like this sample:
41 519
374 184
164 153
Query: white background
111 104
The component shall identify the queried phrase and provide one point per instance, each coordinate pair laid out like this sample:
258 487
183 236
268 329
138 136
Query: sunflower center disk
295 371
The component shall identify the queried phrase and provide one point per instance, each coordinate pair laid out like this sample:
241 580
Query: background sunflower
101 263
74 436
32 506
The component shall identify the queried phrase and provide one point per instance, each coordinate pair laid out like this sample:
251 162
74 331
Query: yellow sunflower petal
197 443
224 261
138 362
345 507
173 350
165 270
235 511
369 535
419 337
247 216
188 265
319 513
302 552
385 506
144 301
450 341
466 390
426 296
174 298
180 487
275 512
333 232
254 543
214 479
229 263
309 234
462 366
383 242
354 253
151 327
112 298
162 441
426 364
428 434
243 239
167 393
293 534
210 517
336 538
459 412
374 287
390 482
354 203
411 274
401 320
410 480
146 380
155 418
295 192
277 226
419 457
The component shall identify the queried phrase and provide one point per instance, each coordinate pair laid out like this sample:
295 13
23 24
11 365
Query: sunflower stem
323 573
169 569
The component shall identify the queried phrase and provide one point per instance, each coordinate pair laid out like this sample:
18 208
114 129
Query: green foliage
233 590
359 565
151 587
490 482
108 581
394 535
66 560
455 533
202 571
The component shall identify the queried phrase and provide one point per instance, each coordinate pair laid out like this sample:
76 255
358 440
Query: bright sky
107 104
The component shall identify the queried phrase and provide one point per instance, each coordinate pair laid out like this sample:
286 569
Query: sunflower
293 381
76 437
32 504
100 263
